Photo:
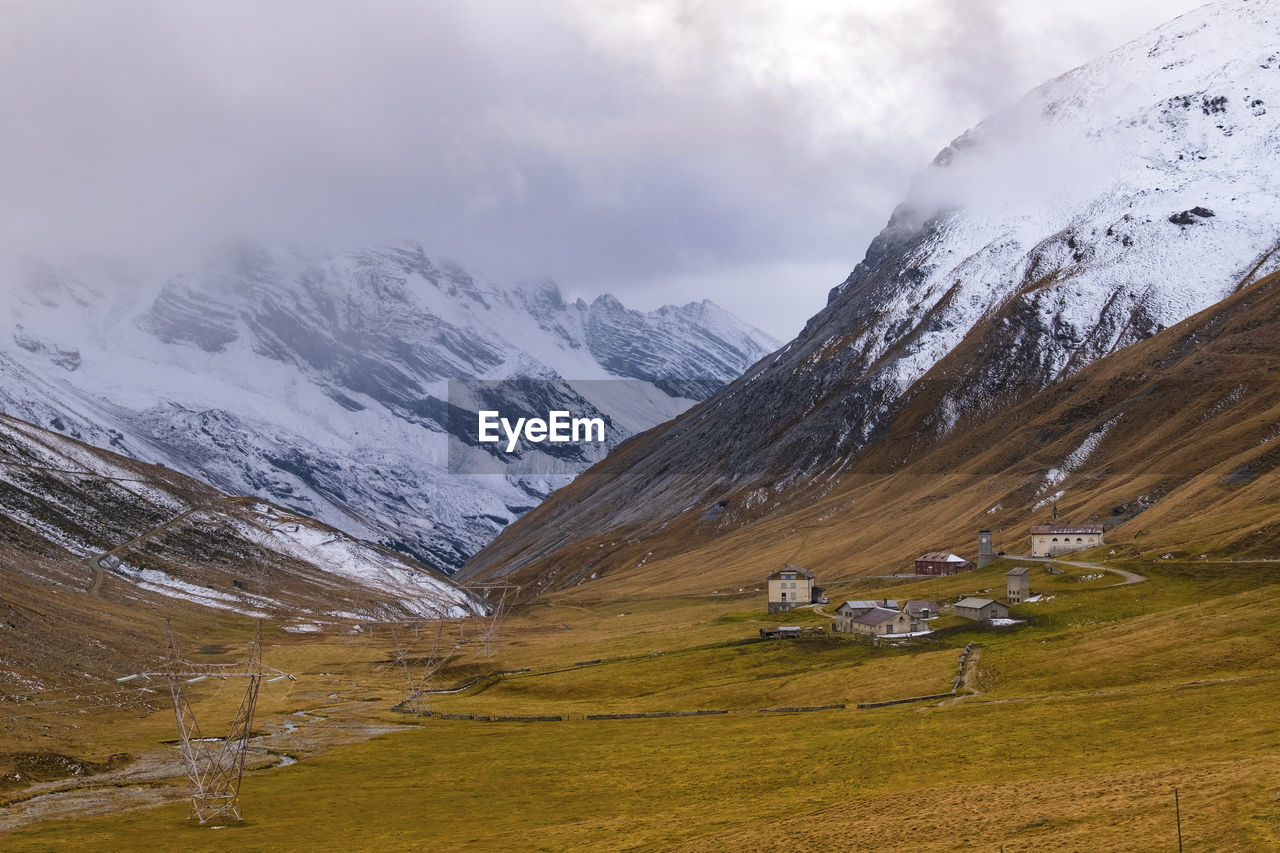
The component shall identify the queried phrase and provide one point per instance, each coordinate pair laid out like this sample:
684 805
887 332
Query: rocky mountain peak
319 379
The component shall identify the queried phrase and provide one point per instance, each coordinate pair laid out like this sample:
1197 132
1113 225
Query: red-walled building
942 563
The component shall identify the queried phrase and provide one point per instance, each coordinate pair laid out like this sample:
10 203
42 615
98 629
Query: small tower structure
1018 585
986 549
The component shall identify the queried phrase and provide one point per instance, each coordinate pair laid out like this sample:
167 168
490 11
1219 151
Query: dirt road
94 562
1129 577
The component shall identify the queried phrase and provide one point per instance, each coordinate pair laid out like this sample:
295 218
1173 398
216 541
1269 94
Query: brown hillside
1184 460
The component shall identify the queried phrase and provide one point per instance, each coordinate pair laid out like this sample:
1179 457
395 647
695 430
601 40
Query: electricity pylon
420 687
507 594
215 766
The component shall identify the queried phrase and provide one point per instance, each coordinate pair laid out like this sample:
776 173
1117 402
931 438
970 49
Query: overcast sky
744 151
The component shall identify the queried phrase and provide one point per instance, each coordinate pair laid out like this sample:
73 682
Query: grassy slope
1090 715
69 627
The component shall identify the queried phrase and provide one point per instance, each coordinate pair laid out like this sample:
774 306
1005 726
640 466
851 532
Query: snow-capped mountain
1107 205
321 381
93 521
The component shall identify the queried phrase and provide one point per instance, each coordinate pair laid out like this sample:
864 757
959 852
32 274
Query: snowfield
128 522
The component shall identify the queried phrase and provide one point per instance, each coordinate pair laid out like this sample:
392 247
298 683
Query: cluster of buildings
878 618
885 617
795 586
1047 540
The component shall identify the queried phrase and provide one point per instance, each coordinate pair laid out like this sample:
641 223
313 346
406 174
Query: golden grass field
1088 716
1080 724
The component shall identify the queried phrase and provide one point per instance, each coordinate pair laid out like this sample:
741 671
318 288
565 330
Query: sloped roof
876 616
860 605
975 603
798 570
941 557
922 605
1019 571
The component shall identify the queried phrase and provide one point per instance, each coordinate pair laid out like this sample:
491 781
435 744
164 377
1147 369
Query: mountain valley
324 382
964 318
1072 318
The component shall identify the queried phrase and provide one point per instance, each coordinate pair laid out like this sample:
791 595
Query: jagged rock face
320 380
657 347
1110 203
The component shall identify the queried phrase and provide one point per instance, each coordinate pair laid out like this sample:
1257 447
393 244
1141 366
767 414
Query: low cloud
623 146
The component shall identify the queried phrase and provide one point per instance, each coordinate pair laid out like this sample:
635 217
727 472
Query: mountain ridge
1154 205
1169 444
320 380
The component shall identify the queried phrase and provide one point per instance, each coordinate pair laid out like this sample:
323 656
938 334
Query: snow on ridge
88 487
418 590
1050 499
154 580
52 533
318 379
1112 202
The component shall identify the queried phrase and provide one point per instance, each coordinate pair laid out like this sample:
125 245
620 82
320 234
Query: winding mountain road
95 561
1129 577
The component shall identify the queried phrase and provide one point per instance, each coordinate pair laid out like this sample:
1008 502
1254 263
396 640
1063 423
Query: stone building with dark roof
922 609
879 621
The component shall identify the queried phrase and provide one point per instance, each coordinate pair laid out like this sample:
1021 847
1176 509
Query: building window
784 596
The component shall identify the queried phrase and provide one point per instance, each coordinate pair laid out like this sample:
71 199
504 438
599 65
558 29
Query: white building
1049 540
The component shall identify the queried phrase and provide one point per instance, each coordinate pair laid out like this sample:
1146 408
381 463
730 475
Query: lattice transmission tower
506 596
420 682
215 766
